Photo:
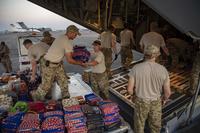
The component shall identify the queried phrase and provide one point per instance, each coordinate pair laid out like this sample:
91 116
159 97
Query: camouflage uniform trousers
51 73
195 74
150 110
5 60
126 56
108 59
99 83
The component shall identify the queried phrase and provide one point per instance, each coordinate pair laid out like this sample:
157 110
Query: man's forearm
130 87
34 68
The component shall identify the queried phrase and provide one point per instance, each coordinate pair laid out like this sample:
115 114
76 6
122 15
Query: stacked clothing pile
30 123
111 115
53 105
12 122
5 102
95 123
75 121
92 99
38 107
53 122
69 102
23 94
20 106
80 53
26 76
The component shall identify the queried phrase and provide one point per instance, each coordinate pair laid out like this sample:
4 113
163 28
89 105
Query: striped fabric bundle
31 123
75 121
80 53
53 122
111 115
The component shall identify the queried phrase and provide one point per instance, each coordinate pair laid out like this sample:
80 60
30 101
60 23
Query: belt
147 99
54 62
47 63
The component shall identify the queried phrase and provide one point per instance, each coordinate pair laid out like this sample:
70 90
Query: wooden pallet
179 81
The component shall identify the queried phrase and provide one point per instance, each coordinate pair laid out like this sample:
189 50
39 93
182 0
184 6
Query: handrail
193 35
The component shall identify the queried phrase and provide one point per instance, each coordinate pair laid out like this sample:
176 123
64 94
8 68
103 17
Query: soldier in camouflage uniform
146 81
35 53
52 63
108 44
4 57
99 78
180 51
126 37
48 39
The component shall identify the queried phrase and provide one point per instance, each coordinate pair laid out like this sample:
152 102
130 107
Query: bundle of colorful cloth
93 99
80 53
111 115
26 76
12 122
53 122
30 123
95 123
75 121
5 102
69 102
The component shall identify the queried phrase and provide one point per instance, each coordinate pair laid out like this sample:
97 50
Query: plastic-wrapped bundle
71 109
53 105
20 106
95 123
75 121
12 122
93 99
70 102
5 102
111 115
53 122
80 53
30 123
53 113
38 107
26 76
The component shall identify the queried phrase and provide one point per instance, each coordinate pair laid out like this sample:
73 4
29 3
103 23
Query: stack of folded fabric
38 107
5 102
111 115
26 76
12 122
53 122
80 53
75 121
30 123
95 123
53 105
80 99
92 99
69 102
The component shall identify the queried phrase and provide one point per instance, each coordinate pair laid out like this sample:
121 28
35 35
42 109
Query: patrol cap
73 28
97 42
46 34
152 50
